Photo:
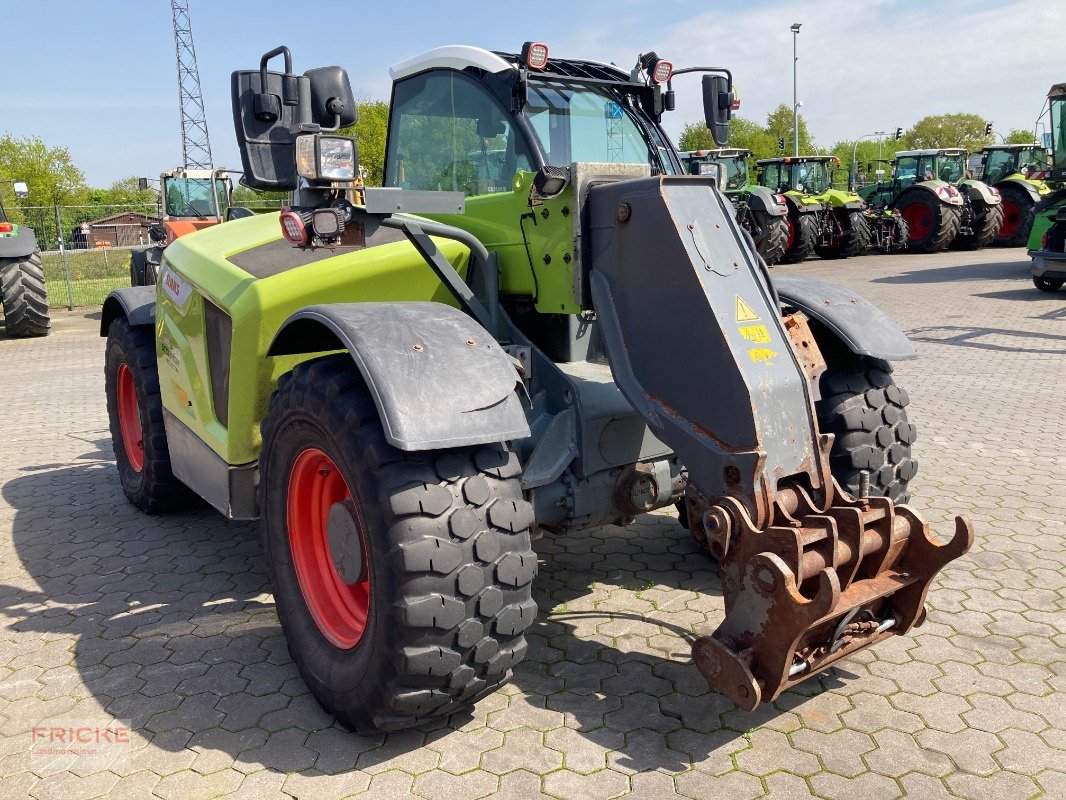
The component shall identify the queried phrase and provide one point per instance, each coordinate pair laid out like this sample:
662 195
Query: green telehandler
1019 172
22 286
942 206
821 219
538 323
760 211
1047 242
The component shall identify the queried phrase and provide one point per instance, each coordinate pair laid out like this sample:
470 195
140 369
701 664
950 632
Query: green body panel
534 245
1042 222
1041 187
802 199
258 307
836 198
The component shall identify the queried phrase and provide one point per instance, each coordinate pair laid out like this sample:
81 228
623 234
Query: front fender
859 325
979 191
136 303
22 245
438 378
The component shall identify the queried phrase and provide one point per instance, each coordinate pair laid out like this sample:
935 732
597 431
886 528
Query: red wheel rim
1012 219
129 417
339 609
919 220
791 234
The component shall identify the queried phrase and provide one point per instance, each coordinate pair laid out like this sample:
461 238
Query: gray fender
979 190
437 377
929 187
1024 185
761 199
137 304
20 246
862 327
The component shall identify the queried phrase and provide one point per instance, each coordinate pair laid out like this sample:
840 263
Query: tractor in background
23 291
403 390
1047 242
821 219
189 200
1020 173
942 206
760 211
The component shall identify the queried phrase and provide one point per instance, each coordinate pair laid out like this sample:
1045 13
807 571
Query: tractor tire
931 225
135 414
854 241
1019 211
987 220
802 238
1047 284
772 246
862 405
402 580
25 297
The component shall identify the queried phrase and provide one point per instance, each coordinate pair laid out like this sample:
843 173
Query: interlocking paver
168 621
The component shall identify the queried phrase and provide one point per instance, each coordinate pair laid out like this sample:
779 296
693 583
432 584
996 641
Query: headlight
326 158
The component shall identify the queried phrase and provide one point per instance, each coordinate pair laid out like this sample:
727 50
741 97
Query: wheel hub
345 543
129 417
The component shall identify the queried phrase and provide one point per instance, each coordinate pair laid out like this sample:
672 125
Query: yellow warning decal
755 333
745 313
762 355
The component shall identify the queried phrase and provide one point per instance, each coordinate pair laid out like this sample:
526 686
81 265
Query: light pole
795 98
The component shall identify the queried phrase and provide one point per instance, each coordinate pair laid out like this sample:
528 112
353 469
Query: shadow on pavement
972 336
1006 270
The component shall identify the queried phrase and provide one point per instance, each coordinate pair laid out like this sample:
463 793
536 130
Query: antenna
195 144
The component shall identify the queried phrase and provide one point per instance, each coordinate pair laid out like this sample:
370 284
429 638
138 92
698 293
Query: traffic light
781 142
988 129
899 133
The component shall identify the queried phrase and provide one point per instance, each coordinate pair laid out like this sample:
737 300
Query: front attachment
802 594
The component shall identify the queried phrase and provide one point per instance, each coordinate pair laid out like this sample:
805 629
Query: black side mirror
717 107
332 101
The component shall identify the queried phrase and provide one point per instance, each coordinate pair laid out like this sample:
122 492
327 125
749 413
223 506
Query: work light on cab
535 55
292 227
662 71
325 158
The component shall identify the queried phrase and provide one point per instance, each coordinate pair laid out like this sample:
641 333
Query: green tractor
821 219
1047 242
540 324
941 205
1019 172
22 286
761 212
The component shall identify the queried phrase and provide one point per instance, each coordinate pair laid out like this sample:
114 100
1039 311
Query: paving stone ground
166 624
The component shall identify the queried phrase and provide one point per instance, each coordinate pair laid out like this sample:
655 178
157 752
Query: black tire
1019 212
868 413
804 237
943 226
138 262
1047 284
447 543
987 220
897 237
854 239
772 245
25 296
152 488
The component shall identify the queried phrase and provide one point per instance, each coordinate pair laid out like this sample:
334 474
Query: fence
85 250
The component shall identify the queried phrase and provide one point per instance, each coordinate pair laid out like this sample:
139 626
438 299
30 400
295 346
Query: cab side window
448 133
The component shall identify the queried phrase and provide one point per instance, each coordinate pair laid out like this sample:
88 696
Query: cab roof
721 152
1013 147
793 159
1058 90
461 56
934 151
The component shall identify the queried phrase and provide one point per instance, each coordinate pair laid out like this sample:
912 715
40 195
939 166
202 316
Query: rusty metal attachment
814 587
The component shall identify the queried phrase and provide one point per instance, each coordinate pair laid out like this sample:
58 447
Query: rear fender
854 321
802 205
979 191
437 377
136 303
762 199
929 187
22 245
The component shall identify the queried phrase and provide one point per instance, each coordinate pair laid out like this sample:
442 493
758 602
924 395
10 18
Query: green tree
122 192
49 172
1019 136
743 133
696 136
779 126
370 130
948 130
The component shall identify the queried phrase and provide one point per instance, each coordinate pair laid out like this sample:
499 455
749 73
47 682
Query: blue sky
99 77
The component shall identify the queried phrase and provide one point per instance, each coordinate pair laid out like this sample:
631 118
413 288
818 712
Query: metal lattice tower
195 143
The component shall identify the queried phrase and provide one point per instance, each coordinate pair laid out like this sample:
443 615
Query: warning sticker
745 313
755 333
762 355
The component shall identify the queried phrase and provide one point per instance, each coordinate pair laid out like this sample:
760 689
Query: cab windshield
1058 135
191 197
584 123
810 177
999 164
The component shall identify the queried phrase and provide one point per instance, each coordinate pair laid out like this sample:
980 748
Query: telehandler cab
537 323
